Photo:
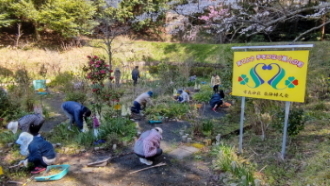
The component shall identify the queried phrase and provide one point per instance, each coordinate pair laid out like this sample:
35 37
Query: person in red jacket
147 147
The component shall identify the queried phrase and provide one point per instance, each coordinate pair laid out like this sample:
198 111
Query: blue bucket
40 86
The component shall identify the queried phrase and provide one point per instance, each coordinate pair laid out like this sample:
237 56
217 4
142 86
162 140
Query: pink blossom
97 65
102 71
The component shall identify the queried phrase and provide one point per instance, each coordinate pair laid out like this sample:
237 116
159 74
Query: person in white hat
147 147
37 150
31 123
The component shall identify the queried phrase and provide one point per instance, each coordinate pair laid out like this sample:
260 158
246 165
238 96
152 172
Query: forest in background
194 21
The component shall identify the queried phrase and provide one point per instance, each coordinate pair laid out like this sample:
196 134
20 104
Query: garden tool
158 165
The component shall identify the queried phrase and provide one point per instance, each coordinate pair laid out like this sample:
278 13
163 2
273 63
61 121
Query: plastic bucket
40 86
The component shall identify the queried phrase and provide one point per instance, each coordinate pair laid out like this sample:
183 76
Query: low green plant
203 96
7 137
169 110
227 161
61 134
118 127
85 139
207 127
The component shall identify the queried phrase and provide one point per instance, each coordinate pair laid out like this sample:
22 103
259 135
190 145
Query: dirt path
182 172
189 171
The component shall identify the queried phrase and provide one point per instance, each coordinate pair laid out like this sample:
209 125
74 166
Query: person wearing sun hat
37 150
141 100
147 147
30 123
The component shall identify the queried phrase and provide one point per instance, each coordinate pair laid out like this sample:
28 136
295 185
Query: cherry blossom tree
228 20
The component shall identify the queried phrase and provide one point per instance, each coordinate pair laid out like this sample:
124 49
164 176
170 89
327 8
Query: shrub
62 79
76 96
297 119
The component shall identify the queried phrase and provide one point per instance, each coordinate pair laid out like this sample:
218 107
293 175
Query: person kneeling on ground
29 123
38 151
147 147
217 100
183 97
76 112
141 100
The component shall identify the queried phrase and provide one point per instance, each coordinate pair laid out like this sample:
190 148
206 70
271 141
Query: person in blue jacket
37 150
76 112
217 100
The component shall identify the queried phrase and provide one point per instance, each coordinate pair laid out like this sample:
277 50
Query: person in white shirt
215 82
141 100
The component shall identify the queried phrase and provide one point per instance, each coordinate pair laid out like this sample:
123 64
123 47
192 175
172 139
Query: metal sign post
285 128
241 126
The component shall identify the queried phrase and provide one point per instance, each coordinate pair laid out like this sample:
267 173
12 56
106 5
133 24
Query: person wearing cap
147 147
37 150
135 74
76 113
141 100
30 123
217 100
183 96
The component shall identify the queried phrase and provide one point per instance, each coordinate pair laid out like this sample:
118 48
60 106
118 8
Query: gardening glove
23 163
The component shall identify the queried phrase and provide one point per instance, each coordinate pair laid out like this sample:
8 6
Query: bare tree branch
307 31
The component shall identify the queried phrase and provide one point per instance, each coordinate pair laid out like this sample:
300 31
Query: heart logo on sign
272 73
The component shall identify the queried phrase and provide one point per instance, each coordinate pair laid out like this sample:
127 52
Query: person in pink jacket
147 147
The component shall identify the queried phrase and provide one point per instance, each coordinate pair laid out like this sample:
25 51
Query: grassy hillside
127 52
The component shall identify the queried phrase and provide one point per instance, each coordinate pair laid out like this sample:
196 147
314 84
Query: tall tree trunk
323 28
36 32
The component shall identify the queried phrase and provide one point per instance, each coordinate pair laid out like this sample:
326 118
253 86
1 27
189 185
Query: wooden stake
158 165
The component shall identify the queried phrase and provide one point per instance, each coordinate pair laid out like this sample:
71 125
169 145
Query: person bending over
76 113
29 123
140 101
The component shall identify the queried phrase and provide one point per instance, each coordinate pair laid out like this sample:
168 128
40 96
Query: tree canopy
219 21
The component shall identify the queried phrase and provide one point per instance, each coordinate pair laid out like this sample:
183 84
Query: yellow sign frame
274 75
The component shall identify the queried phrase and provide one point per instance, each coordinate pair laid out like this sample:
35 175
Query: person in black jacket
217 100
135 74
38 151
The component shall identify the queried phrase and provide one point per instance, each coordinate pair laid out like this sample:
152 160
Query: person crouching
147 147
38 151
